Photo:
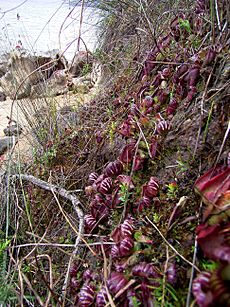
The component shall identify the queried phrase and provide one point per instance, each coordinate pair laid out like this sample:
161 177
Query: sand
23 151
5 107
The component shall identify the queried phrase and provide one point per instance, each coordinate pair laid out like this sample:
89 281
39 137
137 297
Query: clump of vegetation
134 158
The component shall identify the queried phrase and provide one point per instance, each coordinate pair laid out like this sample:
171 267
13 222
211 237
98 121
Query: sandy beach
5 107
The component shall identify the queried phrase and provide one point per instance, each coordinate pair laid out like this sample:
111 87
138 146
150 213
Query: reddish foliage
213 184
138 163
93 177
153 148
113 169
143 203
172 106
211 289
151 189
116 282
201 289
102 297
105 186
127 180
163 126
90 222
214 241
86 295
145 270
127 128
210 56
127 153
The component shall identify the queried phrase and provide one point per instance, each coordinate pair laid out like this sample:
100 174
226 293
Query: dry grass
42 226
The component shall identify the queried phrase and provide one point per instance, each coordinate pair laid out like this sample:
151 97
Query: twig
64 193
217 91
80 231
21 287
32 289
193 261
61 245
202 110
223 143
105 273
164 277
31 252
80 26
76 205
217 15
62 25
120 292
191 276
111 302
105 265
180 204
50 278
178 254
135 154
144 138
13 8
47 24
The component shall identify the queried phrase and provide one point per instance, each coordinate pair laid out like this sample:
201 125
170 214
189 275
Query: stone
7 143
81 64
13 130
2 96
24 71
54 86
3 68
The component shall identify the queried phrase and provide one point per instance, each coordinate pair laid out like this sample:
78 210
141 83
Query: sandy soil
4 112
23 150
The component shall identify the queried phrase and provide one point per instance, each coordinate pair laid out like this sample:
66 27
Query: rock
81 84
13 130
82 64
20 69
55 85
3 68
24 72
49 69
2 96
96 73
7 143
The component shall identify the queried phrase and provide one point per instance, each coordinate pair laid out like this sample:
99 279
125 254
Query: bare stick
193 261
38 298
182 257
217 15
76 205
164 277
202 110
191 276
64 193
80 26
56 245
50 277
223 143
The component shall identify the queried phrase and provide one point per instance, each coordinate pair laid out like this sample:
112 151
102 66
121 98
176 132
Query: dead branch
175 251
76 205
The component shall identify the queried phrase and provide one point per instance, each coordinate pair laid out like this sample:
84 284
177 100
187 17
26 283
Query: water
45 25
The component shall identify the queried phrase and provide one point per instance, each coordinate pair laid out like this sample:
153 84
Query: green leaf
3 245
184 24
